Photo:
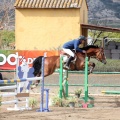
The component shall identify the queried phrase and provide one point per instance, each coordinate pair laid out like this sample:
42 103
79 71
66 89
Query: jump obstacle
63 81
17 95
86 85
65 78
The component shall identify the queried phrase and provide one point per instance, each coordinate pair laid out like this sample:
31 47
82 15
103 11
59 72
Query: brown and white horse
53 62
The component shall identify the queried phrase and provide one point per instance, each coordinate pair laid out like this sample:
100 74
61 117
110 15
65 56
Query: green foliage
7 37
72 99
33 102
78 91
109 34
104 34
56 101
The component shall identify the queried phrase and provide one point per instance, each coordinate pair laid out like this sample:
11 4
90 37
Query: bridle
100 53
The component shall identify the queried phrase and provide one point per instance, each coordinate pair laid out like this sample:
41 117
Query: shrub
56 101
33 102
78 91
7 37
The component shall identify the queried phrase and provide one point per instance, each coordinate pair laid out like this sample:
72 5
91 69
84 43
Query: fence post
86 80
61 77
66 84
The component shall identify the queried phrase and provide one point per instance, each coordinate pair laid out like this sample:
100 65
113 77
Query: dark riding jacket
73 44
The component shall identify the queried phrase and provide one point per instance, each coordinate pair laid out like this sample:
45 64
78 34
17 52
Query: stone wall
112 50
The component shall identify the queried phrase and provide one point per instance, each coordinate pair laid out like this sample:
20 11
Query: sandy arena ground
105 107
64 114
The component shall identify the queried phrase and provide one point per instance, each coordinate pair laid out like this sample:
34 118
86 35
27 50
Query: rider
73 44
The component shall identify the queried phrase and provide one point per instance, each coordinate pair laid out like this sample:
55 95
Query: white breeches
69 52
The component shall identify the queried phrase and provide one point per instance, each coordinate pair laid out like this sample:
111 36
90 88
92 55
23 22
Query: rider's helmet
82 38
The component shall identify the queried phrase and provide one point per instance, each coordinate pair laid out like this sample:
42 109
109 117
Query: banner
9 58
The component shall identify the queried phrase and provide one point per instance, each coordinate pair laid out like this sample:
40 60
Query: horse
53 62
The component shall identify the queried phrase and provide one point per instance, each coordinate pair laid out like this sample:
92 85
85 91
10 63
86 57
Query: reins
96 57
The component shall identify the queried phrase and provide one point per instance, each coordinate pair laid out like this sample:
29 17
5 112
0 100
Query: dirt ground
58 113
106 107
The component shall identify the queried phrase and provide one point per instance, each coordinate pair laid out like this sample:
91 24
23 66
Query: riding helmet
82 37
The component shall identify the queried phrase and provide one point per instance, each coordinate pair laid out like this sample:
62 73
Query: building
47 24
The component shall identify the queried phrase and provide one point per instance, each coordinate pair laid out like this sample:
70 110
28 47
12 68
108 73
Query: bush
33 102
56 101
7 37
78 91
72 99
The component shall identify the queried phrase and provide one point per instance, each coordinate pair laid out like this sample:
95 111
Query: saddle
66 56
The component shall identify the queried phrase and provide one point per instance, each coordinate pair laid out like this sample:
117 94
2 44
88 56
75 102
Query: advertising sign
9 58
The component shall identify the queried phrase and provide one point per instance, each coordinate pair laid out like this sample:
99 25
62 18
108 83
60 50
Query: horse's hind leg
35 83
46 73
91 67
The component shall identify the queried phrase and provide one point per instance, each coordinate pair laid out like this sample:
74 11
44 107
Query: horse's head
96 52
100 55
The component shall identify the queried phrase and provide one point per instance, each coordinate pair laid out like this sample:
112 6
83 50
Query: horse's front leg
91 66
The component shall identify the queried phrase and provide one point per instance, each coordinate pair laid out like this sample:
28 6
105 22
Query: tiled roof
48 3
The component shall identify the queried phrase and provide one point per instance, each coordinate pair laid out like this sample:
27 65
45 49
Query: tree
7 20
7 38
96 34
7 14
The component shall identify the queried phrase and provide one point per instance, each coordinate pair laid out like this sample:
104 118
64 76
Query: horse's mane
89 46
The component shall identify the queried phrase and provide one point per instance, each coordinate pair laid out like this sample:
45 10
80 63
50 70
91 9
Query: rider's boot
68 62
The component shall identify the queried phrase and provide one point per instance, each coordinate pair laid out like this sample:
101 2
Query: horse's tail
37 65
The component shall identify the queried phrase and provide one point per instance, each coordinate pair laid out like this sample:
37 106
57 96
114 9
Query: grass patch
111 66
33 102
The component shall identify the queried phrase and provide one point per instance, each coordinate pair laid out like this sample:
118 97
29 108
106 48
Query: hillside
104 11
101 12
